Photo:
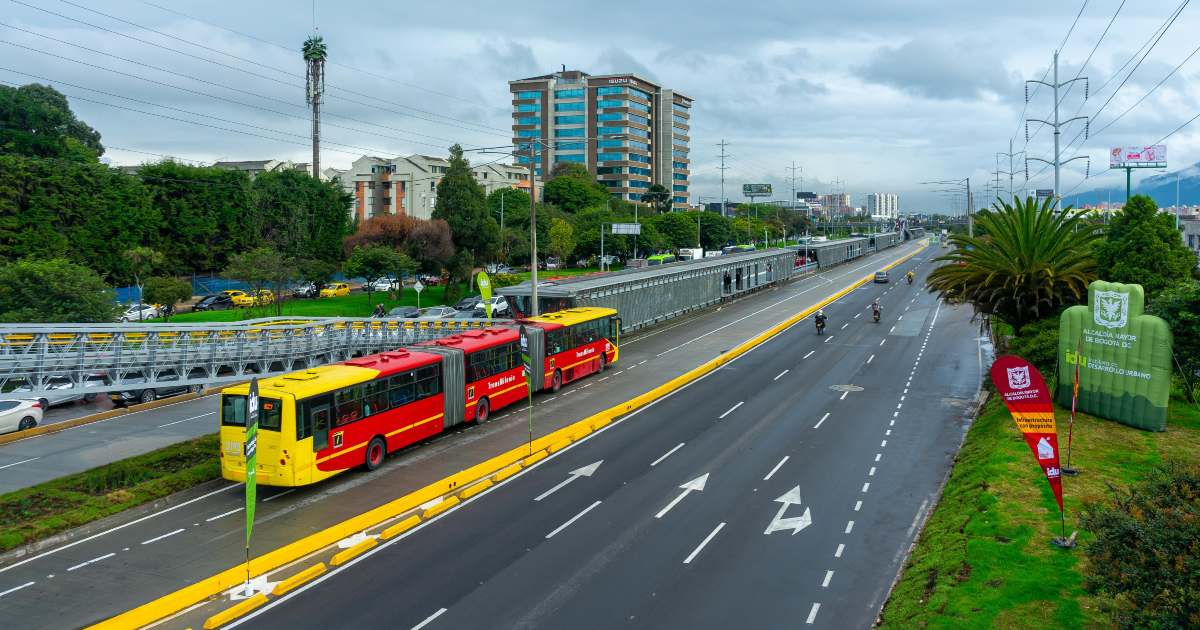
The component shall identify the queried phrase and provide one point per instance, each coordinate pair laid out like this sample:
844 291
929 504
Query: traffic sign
418 287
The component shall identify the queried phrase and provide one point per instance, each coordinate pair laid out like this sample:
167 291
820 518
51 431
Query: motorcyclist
909 276
820 320
875 309
379 312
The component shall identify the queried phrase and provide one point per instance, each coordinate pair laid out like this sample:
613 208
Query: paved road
780 491
115 566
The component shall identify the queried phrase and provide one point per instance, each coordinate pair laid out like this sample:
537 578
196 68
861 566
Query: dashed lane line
92 561
573 519
166 535
776 468
812 613
822 420
15 589
203 415
691 556
731 410
810 353
23 461
780 375
666 455
429 619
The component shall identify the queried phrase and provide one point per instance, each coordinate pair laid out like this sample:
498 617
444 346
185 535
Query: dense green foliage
1032 263
572 189
658 197
372 262
562 239
166 291
1179 306
1144 561
1143 247
1038 344
462 205
53 290
263 268
38 122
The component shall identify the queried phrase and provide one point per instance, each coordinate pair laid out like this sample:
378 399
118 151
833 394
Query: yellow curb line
500 467
401 527
300 578
235 611
346 555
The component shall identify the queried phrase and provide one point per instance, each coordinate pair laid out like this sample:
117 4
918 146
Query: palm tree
1031 263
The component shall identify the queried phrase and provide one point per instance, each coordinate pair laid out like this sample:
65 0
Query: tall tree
678 228
260 268
36 121
1143 247
658 197
54 291
142 261
168 292
372 262
716 231
1033 263
562 239
572 188
302 216
461 204
1179 306
205 213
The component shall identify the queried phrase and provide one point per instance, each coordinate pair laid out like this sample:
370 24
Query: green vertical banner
485 291
251 457
525 360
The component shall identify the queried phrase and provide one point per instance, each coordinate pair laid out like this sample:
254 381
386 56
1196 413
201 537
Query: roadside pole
524 335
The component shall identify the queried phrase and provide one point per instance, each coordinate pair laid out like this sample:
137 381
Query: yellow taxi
241 298
335 289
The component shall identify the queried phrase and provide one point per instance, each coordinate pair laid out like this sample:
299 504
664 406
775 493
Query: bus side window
319 419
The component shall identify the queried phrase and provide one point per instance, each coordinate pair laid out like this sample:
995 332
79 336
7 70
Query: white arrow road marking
795 523
586 471
696 484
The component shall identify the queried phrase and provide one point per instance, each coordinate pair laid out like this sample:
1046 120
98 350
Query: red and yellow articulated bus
318 422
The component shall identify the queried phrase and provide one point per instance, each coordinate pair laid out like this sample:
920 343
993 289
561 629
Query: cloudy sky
865 96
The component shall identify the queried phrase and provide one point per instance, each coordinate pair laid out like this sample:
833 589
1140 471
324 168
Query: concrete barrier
235 611
301 578
499 468
346 555
471 491
401 527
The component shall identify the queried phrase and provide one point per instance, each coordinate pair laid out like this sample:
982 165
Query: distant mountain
1160 187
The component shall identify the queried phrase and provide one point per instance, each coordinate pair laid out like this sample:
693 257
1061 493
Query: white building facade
884 205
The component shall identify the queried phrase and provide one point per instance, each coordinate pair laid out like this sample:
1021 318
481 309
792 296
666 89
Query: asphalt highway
779 491
116 564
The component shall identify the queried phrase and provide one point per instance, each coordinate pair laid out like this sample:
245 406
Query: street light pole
533 261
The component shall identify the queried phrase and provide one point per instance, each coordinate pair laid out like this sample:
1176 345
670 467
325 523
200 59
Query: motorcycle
875 314
909 278
820 327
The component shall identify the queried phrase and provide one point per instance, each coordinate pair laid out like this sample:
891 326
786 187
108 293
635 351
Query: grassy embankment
53 507
985 560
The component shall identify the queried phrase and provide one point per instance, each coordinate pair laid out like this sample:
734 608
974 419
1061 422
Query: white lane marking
695 551
573 519
276 496
731 410
845 325
666 455
849 526
780 375
891 423
857 315
917 518
812 614
203 415
642 361
696 484
828 577
878 456
18 463
899 405
888 432
631 367
550 398
585 471
871 473
158 538
92 561
883 443
818 424
905 390
828 339
603 379
900 318
866 486
857 505
895 414
843 396
870 358
429 619
902 398
776 468
221 515
109 531
840 549
810 353
881 341
16 588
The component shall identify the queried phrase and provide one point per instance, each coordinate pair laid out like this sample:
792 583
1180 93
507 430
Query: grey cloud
936 70
615 60
795 88
512 59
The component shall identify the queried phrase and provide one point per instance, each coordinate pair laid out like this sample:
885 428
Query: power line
1021 118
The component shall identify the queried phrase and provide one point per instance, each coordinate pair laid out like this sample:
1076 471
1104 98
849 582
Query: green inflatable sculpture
1124 357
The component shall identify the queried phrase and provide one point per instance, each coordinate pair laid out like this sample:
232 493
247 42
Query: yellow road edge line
346 555
300 578
510 461
233 612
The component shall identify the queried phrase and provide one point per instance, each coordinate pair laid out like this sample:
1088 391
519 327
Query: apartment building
886 205
627 131
408 185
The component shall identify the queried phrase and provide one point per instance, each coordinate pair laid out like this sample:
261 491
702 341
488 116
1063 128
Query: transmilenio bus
316 423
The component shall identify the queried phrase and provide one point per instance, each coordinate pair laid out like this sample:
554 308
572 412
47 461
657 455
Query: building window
678 188
637 170
568 120
612 183
638 184
637 92
578 93
609 131
610 170
679 176
530 120
679 154
527 133
639 158
679 119
680 107
529 107
611 116
525 95
610 90
371 185
638 132
609 157
683 165
569 157
608 144
639 119
638 145
568 107
679 199
639 106
569 146
610 103
569 133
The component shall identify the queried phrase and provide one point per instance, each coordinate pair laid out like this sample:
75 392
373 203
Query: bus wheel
556 382
376 451
603 363
481 411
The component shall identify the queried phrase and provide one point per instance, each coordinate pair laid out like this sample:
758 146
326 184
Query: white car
499 306
139 312
19 415
383 284
60 391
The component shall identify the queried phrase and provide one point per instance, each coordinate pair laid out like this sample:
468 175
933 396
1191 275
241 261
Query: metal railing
87 358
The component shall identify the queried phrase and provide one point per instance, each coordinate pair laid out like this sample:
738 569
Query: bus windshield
233 412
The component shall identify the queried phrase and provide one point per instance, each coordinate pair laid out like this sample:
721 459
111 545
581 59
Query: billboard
756 190
1121 157
1124 357
1044 193
626 228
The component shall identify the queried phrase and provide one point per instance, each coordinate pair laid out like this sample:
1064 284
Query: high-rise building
628 132
883 205
836 205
